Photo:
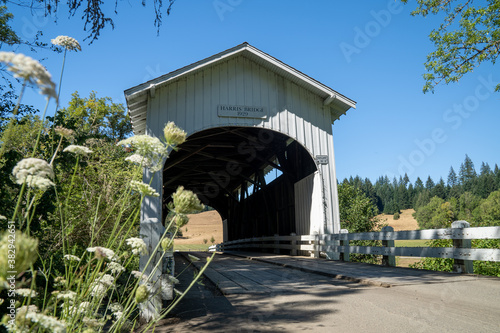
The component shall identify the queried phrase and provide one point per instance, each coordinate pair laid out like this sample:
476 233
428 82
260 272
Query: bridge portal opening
247 174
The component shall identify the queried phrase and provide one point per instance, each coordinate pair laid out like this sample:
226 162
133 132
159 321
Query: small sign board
322 159
241 111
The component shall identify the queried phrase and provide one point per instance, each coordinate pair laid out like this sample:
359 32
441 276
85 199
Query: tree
429 183
7 35
452 178
96 117
92 12
356 210
467 173
469 36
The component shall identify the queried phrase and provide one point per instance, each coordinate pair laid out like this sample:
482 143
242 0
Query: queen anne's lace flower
139 275
143 189
35 172
65 132
26 253
30 70
69 43
68 294
78 150
116 307
148 147
174 136
138 245
25 292
139 160
71 257
186 202
103 253
115 267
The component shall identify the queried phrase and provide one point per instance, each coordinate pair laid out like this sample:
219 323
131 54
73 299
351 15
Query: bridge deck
273 293
234 276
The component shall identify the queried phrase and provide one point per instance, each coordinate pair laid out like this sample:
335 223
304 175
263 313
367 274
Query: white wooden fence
460 233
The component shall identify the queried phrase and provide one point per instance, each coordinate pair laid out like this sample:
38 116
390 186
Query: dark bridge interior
246 173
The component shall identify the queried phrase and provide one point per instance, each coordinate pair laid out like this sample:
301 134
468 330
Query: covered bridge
259 147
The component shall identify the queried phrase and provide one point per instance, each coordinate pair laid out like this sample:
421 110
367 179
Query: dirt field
405 222
202 226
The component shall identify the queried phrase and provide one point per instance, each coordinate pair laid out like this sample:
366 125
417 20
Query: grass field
411 243
191 247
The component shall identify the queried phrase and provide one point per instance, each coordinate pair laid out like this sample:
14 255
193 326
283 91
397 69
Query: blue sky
370 51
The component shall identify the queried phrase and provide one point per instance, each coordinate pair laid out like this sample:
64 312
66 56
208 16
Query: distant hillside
405 222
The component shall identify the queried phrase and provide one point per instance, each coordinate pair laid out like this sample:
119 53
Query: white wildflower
65 132
30 70
35 172
25 292
47 322
115 267
102 252
118 314
174 136
143 189
77 150
193 258
81 308
66 295
139 275
139 160
138 246
116 307
106 280
71 257
22 310
148 147
59 281
186 202
69 43
3 218
98 289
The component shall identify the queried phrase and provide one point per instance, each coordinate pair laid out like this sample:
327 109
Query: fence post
460 265
388 260
293 252
315 253
344 256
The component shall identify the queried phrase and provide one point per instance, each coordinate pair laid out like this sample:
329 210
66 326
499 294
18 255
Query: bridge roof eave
137 97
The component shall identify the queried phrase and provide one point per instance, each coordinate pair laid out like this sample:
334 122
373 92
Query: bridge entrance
247 174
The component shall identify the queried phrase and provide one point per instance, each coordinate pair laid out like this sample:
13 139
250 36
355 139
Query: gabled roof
137 96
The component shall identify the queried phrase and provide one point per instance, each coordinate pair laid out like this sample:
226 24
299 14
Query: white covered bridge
259 147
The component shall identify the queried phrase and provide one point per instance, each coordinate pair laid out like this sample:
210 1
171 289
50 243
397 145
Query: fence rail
337 245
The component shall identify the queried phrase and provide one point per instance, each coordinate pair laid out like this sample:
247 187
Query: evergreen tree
419 185
452 178
467 174
439 190
429 184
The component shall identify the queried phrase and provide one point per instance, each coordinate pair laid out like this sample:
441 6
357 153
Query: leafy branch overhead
469 36
94 16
